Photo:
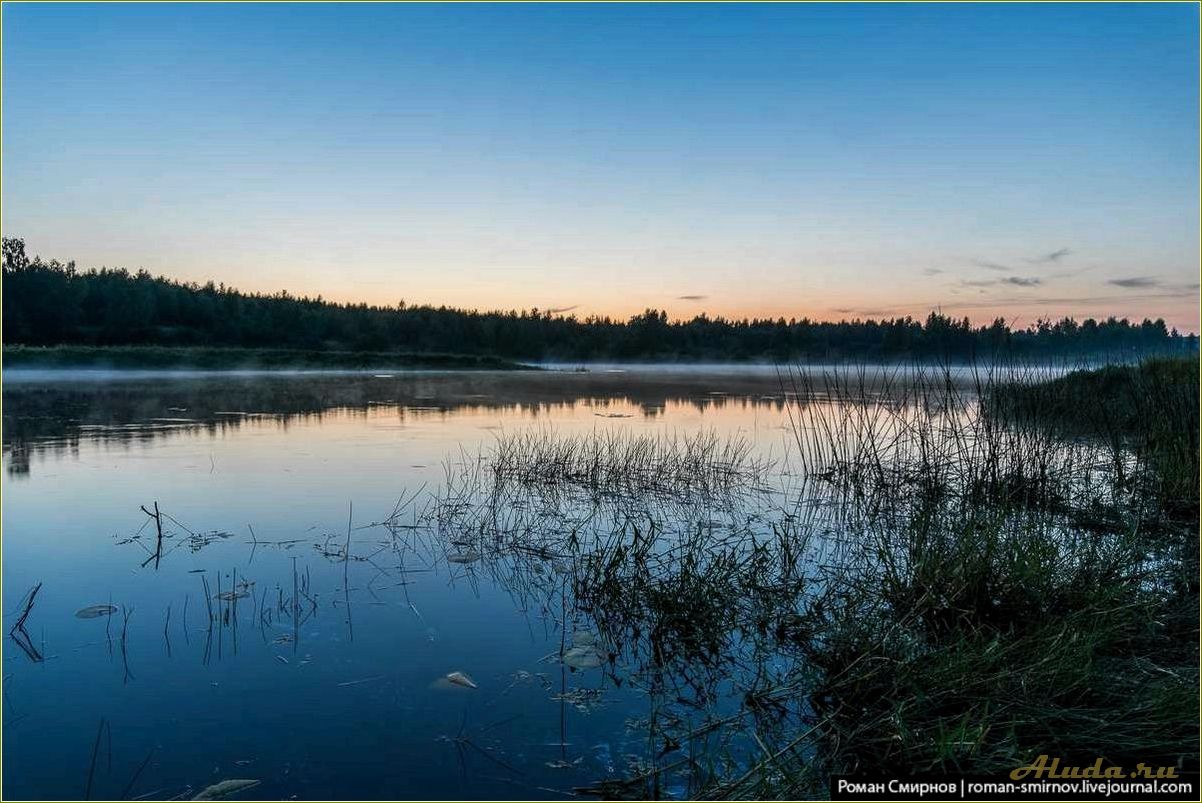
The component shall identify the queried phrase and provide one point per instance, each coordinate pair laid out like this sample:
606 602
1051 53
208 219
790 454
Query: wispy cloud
931 272
1022 281
1054 256
1036 301
557 310
692 298
1041 259
1135 282
867 313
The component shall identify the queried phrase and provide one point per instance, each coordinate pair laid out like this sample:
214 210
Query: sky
829 161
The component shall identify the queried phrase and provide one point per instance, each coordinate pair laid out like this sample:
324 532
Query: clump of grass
921 433
972 644
618 463
665 553
1149 409
1002 593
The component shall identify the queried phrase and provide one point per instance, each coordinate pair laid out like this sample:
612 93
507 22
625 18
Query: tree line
53 303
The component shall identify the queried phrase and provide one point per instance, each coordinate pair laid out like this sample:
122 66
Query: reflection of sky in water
349 709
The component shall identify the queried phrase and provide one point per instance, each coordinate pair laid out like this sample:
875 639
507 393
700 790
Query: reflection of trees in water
56 417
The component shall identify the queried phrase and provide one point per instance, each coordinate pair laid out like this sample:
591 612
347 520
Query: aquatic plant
618 463
966 627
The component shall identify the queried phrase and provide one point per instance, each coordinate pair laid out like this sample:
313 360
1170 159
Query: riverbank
1022 581
205 358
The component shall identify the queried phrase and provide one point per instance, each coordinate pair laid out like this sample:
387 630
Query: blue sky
830 161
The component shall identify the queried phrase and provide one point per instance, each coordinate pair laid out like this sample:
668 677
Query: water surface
337 689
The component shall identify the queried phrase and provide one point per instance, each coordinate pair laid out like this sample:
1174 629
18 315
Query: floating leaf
563 764
225 788
466 556
583 638
584 657
461 679
96 611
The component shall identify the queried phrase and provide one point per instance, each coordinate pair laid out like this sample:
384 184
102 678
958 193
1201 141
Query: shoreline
204 358
266 360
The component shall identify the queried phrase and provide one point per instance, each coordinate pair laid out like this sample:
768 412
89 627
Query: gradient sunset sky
787 160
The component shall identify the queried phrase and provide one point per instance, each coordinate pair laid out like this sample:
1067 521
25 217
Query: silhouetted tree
49 303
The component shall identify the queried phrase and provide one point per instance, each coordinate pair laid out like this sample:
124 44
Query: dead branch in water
18 632
158 523
129 786
101 730
28 606
126 612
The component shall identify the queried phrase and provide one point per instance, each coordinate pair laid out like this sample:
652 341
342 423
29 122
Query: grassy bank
150 357
1149 410
965 631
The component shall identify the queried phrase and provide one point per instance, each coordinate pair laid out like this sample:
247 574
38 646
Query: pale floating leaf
466 556
563 764
225 788
95 611
461 679
583 657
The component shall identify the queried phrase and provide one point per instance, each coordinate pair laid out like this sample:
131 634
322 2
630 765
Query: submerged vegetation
51 303
616 464
962 578
1007 590
1149 410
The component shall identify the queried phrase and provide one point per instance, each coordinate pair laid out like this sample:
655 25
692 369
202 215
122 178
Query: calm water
341 694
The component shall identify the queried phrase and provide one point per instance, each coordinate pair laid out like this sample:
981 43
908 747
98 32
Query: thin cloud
1054 256
1135 282
557 310
867 313
931 272
980 263
1022 281
692 298
1049 301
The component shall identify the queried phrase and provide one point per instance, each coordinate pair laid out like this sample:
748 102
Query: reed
1016 576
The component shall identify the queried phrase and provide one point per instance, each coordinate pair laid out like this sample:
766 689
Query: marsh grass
673 551
620 464
919 431
1020 579
955 580
1149 409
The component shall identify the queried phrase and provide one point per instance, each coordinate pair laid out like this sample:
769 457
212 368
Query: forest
49 303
